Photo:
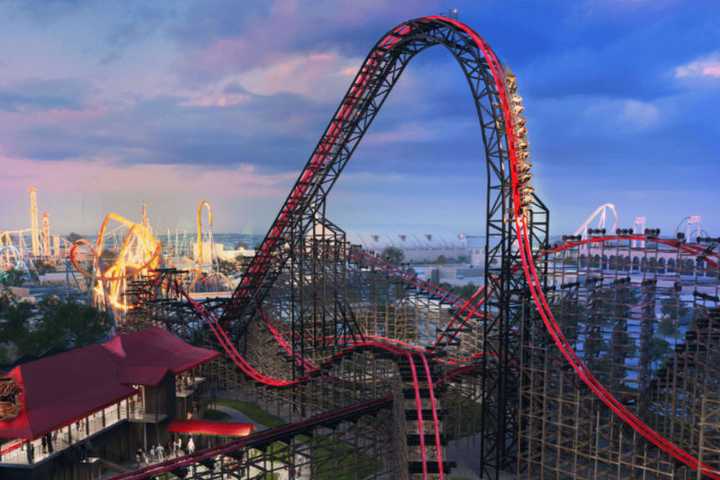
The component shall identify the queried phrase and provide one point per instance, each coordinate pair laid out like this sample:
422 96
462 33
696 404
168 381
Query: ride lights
652 232
596 231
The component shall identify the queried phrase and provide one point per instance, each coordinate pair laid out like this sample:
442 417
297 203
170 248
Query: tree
42 267
227 267
393 255
441 260
68 324
52 324
73 237
12 278
466 291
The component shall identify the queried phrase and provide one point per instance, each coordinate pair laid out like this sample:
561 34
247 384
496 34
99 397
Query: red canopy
58 390
207 427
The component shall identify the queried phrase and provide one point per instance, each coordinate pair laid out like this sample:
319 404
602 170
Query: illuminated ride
136 256
205 276
42 244
11 259
15 239
312 321
204 245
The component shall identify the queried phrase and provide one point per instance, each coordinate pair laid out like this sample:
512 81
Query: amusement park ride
593 358
123 252
14 250
136 254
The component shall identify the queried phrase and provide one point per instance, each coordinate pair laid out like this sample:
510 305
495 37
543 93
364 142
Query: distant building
476 249
416 249
217 250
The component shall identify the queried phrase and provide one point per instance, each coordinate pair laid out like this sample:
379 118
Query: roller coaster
137 254
555 368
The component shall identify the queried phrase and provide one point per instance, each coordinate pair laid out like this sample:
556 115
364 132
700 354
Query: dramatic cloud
43 94
79 193
171 101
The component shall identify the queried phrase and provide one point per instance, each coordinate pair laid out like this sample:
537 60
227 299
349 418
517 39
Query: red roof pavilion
61 389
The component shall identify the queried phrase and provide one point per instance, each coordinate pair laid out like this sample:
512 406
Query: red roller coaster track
320 162
397 347
259 377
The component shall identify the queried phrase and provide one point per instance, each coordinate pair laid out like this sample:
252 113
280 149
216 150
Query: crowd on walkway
159 453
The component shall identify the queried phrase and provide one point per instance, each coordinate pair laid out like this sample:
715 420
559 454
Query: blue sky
106 105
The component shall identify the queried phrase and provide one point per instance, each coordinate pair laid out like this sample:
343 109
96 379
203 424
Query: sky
106 105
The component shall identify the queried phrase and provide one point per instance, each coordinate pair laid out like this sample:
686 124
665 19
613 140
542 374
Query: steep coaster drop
296 252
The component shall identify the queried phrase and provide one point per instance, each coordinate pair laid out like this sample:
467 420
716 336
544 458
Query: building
81 412
426 248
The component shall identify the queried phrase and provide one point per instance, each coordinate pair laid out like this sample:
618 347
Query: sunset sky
104 105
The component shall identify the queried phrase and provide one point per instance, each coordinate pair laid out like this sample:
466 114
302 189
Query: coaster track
513 242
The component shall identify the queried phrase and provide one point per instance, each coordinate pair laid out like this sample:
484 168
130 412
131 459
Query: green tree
227 267
42 267
668 327
68 324
12 278
393 255
51 324
466 291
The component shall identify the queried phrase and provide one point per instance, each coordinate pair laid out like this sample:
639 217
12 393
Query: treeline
32 330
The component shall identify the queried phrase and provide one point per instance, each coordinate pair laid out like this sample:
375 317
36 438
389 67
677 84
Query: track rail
471 307
324 167
259 439
461 367
541 303
693 249
259 377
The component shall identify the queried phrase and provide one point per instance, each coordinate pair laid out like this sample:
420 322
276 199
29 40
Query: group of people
159 453
47 442
47 446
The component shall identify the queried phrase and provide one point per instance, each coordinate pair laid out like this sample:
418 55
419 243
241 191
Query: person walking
191 446
178 446
30 452
160 453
